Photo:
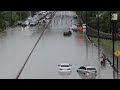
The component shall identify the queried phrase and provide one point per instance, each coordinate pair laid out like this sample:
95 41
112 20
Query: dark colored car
19 23
75 17
69 33
24 24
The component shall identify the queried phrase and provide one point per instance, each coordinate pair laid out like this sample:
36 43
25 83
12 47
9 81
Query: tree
11 17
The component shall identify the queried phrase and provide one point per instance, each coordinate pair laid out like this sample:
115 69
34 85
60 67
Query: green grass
107 43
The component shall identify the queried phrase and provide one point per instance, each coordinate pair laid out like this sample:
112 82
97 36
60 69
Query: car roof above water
88 66
64 64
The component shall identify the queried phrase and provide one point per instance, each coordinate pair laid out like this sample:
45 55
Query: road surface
15 46
54 48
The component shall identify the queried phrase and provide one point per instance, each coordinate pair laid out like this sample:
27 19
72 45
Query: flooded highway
52 49
15 45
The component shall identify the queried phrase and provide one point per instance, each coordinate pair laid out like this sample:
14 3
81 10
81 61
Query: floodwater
53 49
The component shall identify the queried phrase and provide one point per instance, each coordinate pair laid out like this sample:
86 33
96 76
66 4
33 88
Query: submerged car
33 24
68 33
64 67
75 17
24 24
47 17
19 23
84 26
87 70
74 28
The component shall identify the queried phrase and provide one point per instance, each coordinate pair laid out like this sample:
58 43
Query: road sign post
117 53
81 28
117 64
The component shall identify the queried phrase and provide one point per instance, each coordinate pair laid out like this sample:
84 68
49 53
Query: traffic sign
81 28
114 16
117 53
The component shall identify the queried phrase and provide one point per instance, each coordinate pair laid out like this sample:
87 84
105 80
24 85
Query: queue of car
85 70
39 17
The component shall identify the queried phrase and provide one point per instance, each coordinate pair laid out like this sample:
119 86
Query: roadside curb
101 52
93 42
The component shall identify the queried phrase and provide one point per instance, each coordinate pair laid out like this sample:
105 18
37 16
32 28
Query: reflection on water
24 29
116 75
65 74
87 75
103 67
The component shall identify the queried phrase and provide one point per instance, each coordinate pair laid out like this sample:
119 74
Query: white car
27 22
74 28
44 12
47 17
87 70
84 26
33 23
64 67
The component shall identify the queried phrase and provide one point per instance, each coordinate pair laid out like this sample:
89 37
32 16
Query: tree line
104 19
9 18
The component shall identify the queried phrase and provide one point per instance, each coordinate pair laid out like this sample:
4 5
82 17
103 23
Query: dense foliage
104 20
9 18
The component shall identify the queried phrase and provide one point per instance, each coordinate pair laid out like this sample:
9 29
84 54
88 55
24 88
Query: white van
84 28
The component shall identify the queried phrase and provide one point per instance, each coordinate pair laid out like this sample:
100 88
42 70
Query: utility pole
10 18
20 16
98 29
86 24
110 22
30 13
98 43
114 19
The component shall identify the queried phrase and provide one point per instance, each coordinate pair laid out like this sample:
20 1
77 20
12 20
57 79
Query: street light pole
86 24
113 42
98 29
20 15
98 42
10 18
114 19
110 22
30 13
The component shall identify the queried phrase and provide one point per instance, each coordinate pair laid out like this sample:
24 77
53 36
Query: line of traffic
19 73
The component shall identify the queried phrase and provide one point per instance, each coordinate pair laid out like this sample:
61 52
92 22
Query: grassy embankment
107 43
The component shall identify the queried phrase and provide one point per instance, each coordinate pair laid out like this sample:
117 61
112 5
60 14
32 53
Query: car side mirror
58 65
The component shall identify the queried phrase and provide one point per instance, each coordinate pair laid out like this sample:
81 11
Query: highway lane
54 48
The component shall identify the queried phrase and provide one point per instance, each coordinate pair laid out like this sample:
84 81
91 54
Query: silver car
87 70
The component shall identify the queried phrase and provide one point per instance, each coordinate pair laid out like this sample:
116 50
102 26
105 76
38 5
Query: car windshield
64 65
91 69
